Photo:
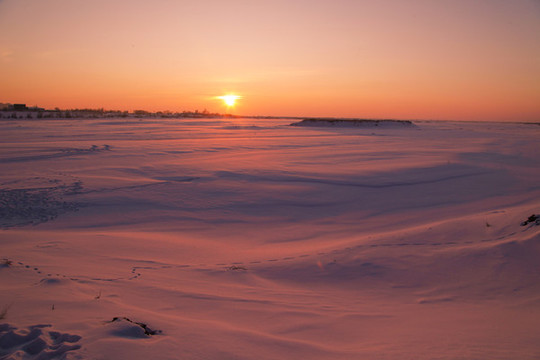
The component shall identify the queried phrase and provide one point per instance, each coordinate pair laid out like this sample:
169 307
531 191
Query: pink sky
417 59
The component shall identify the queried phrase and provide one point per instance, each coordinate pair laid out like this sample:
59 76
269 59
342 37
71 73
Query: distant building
19 107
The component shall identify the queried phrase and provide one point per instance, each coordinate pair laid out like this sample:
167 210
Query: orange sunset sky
414 59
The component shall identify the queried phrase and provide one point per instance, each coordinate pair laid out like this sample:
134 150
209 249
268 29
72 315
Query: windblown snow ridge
327 122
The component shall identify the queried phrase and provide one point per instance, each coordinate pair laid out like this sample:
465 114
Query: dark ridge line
331 122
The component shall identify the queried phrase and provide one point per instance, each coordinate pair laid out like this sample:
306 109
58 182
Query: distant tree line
20 111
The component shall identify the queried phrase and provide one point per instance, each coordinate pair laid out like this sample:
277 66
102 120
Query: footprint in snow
35 342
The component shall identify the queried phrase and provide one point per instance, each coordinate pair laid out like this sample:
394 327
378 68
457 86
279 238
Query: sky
414 59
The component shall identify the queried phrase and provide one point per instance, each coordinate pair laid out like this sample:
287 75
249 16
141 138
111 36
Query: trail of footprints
136 270
38 271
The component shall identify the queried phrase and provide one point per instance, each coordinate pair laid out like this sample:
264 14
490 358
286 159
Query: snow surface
252 239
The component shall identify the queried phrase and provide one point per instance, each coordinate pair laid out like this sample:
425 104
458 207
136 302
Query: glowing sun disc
229 100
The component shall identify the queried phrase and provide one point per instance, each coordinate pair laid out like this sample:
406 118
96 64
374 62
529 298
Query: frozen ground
252 239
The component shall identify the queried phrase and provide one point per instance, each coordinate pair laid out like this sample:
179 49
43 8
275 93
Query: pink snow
253 239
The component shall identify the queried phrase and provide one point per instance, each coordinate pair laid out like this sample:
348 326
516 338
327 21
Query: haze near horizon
418 59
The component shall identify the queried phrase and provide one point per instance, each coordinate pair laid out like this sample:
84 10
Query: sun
230 99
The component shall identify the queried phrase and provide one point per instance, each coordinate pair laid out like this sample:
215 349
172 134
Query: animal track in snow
137 271
35 201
